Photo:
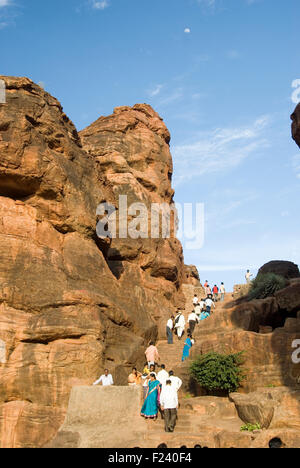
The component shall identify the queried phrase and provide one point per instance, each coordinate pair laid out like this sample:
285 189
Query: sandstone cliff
70 303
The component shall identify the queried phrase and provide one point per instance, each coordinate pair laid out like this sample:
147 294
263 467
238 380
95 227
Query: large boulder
71 303
288 299
296 125
254 408
286 269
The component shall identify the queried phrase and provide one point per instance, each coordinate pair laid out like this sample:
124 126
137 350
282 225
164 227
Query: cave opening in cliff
278 319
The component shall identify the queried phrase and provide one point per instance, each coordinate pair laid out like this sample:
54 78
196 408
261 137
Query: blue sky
219 72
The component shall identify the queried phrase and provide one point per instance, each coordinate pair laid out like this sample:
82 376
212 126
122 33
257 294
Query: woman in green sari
151 404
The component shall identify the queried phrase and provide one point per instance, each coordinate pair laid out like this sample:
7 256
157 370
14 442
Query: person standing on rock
248 277
170 326
106 379
180 325
169 405
193 319
195 300
222 291
152 354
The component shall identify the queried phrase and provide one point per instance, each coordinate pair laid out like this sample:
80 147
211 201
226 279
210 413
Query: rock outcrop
296 125
282 268
71 303
263 331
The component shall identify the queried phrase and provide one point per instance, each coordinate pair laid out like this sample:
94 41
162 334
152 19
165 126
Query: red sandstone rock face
296 125
192 275
237 328
70 303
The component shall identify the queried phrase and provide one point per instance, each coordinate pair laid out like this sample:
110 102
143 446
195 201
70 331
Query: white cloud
100 5
187 30
218 150
155 91
208 3
4 3
174 96
233 54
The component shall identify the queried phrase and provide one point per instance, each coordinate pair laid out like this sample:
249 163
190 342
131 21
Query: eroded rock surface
70 303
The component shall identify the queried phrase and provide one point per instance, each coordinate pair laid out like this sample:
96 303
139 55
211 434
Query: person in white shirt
106 379
163 375
175 381
193 319
170 326
222 292
195 300
169 405
209 303
248 277
180 325
198 311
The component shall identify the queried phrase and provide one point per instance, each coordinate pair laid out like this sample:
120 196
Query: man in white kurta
180 325
169 404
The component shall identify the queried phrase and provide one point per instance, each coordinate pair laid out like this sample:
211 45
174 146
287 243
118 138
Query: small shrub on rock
218 372
266 285
251 427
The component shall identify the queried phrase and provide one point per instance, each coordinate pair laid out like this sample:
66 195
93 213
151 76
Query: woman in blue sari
151 404
187 347
204 315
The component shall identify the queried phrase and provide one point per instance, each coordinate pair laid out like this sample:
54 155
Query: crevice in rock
116 267
17 187
48 340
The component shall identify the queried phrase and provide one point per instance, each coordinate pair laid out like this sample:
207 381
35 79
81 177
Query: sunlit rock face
70 303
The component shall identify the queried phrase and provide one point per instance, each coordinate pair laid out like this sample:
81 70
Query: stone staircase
170 355
194 426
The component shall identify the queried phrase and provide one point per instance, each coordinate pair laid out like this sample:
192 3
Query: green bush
251 427
216 372
266 285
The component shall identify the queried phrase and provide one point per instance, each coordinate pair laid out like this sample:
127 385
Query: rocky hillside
70 303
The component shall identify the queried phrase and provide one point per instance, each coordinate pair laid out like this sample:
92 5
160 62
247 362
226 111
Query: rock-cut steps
170 355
